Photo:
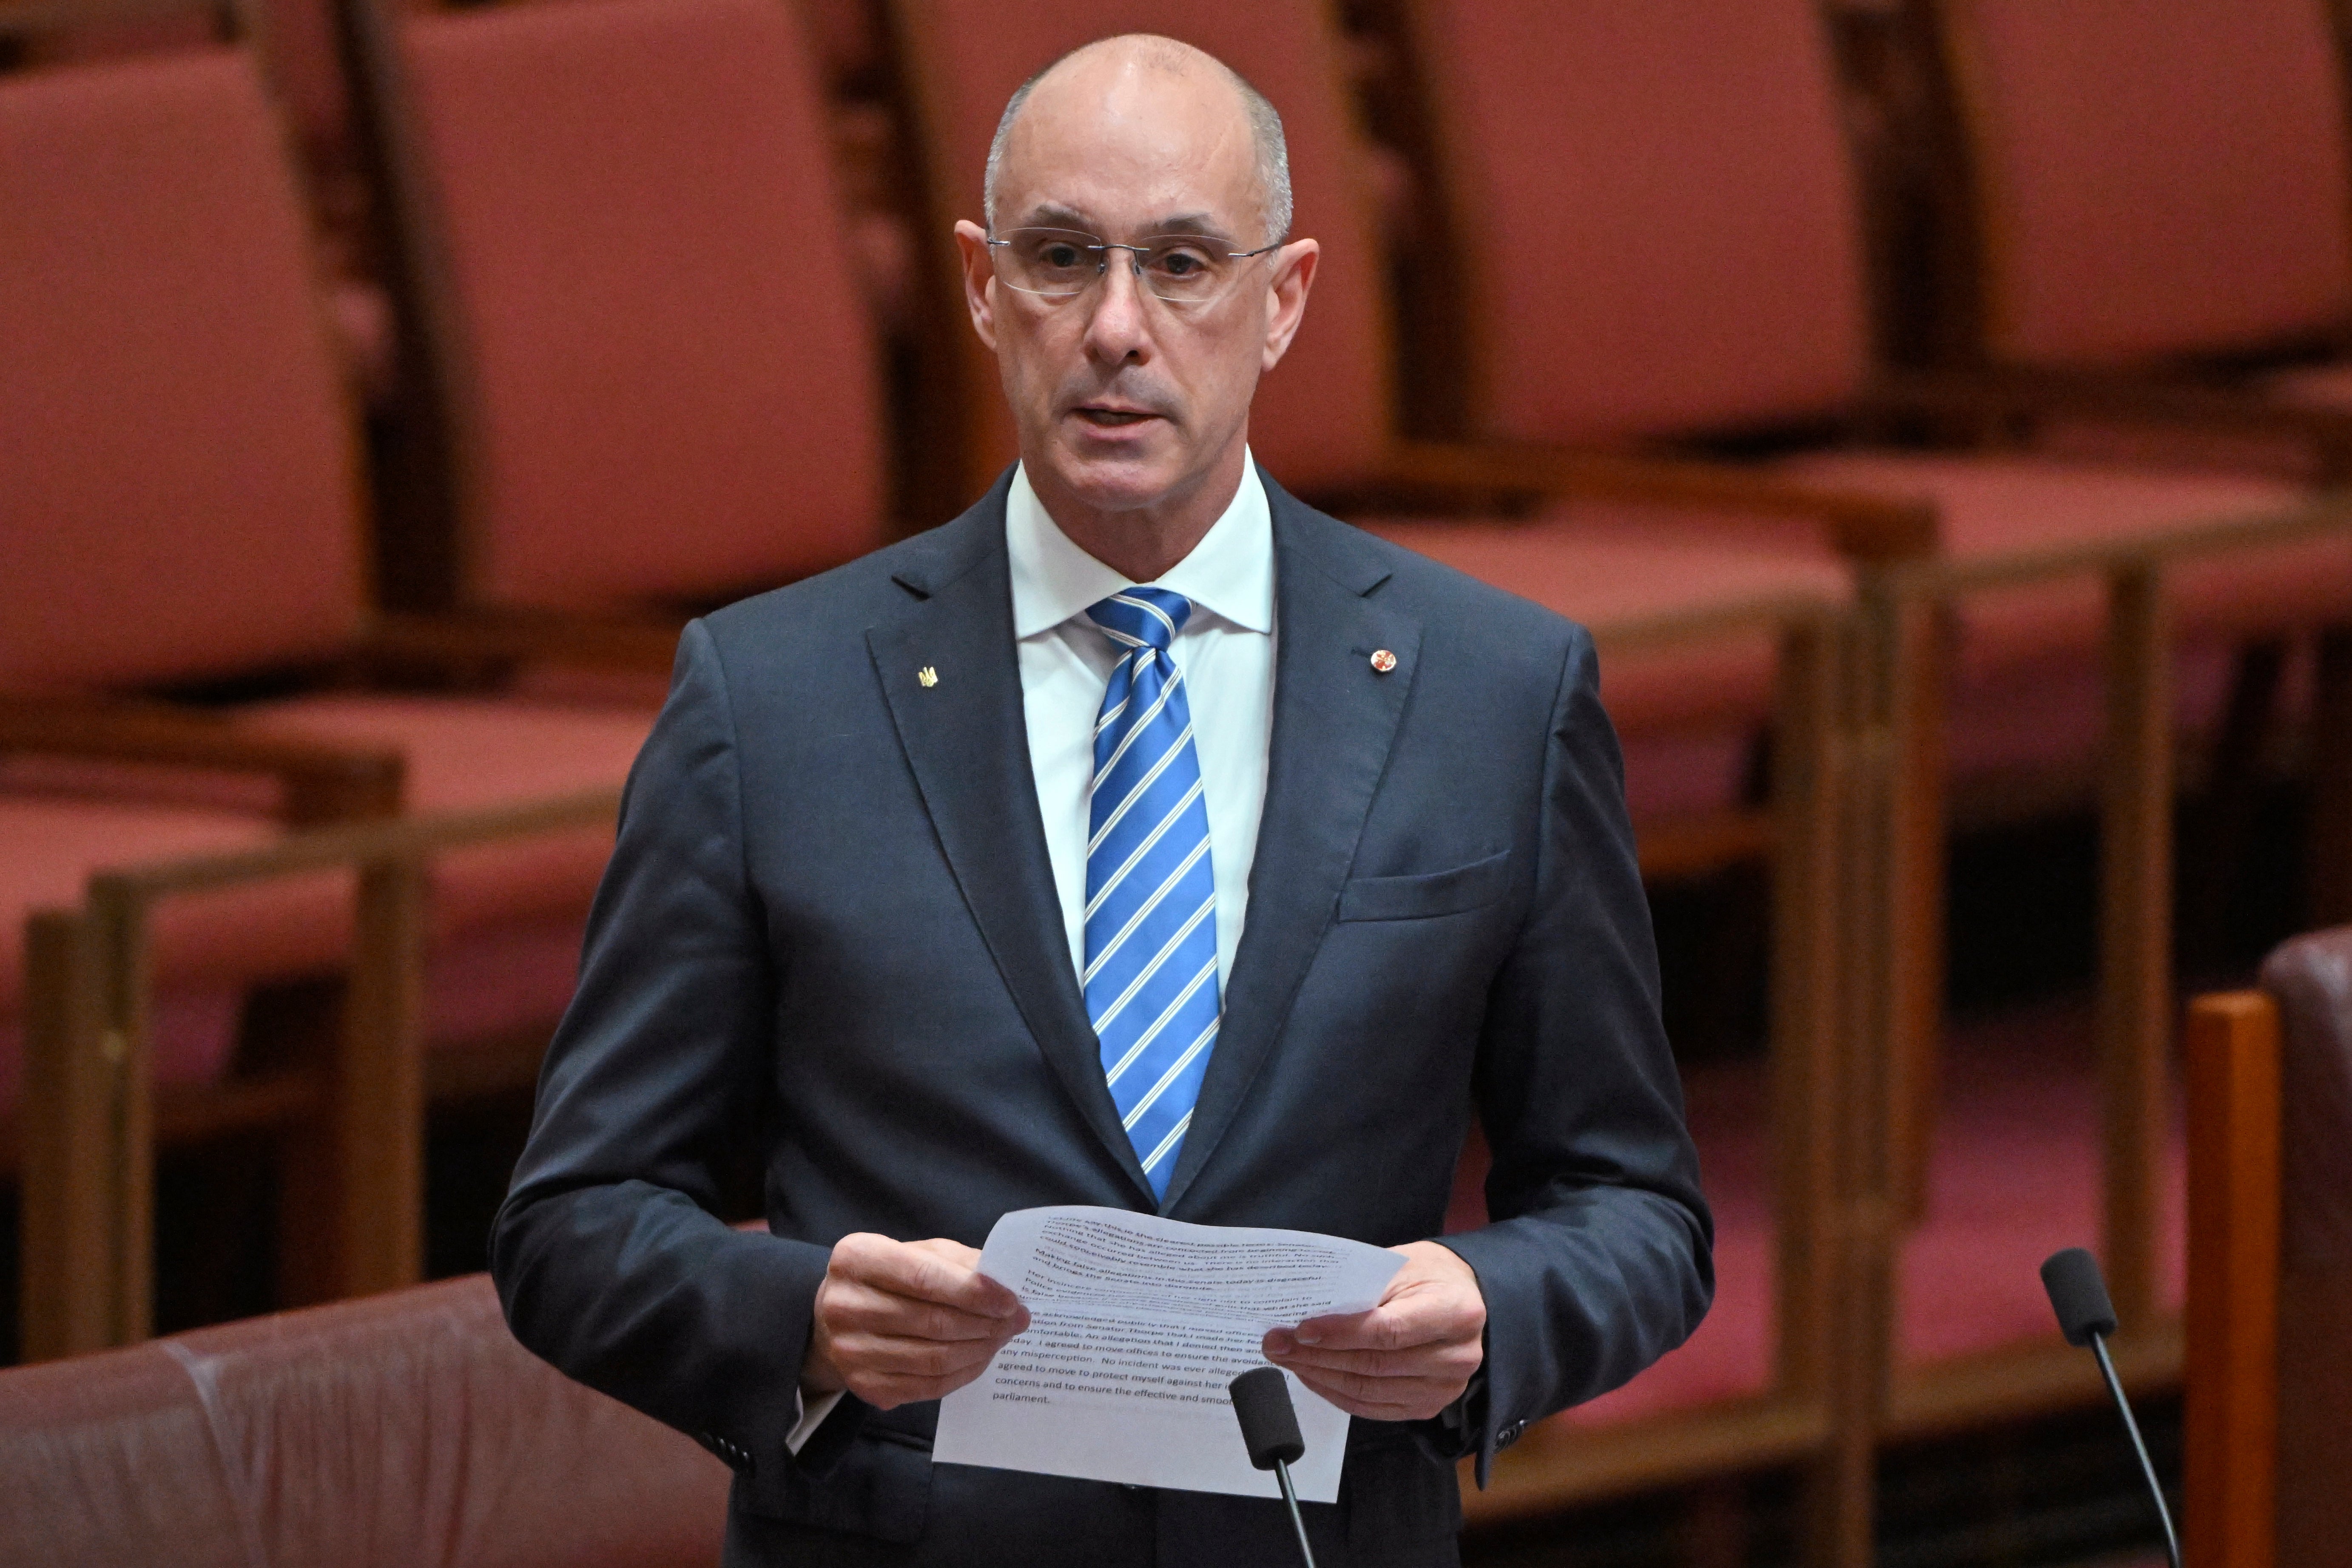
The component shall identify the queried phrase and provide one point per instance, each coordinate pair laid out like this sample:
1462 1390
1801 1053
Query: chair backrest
2312 978
2153 177
1656 215
1324 417
178 486
408 1430
620 215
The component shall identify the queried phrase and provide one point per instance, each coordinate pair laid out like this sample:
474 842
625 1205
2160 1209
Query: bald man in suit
1142 837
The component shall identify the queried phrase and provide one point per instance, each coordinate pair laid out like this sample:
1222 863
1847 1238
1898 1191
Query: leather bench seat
408 1430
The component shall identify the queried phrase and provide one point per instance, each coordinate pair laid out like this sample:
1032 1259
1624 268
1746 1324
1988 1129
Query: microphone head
2078 1295
1269 1426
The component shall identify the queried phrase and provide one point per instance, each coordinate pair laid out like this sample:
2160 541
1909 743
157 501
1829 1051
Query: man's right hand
901 1322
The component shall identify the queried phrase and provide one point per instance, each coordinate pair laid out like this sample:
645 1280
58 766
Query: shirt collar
1230 573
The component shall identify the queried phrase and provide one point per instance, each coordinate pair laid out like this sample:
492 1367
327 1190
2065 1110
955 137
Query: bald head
1102 71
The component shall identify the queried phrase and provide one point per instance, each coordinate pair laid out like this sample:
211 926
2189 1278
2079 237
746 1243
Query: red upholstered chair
2157 187
2154 263
407 1431
180 491
1657 222
656 377
1675 248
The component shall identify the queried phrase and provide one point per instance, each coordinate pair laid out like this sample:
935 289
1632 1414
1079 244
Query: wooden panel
1687 847
124 990
2134 930
379 1088
2329 852
2232 1437
1807 778
2037 1378
67 1260
1839 1503
1555 1467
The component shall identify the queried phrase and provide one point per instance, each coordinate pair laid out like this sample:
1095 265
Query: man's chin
1117 479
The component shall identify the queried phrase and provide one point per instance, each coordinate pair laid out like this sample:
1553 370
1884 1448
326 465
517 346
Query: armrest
321 784
460 639
1860 527
2021 394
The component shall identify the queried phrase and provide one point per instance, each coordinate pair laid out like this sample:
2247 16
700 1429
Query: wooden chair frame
1801 832
2233 1062
89 1109
1899 835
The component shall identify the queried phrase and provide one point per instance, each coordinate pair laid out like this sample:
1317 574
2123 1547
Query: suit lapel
966 738
1334 719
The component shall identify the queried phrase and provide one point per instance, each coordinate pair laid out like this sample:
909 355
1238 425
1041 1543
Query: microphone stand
1306 1552
2146 1468
1270 1431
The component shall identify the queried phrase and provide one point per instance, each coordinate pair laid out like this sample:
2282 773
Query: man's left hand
1405 1360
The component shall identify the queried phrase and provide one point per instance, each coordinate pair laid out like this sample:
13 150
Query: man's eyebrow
1054 214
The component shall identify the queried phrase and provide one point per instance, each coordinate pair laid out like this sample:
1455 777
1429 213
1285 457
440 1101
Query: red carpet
2015 1178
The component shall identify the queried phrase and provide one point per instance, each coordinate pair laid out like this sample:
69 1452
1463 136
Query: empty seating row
219 1445
663 388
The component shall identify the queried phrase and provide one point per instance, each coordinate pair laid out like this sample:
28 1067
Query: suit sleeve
1598 1257
609 1256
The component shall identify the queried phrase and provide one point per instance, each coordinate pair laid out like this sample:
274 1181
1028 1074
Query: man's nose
1118 330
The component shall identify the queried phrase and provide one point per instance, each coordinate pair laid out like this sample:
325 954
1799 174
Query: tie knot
1148 617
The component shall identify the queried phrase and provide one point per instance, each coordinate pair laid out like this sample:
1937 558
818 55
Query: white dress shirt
1226 652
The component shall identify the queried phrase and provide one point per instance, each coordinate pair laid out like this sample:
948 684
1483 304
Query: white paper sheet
1137 1325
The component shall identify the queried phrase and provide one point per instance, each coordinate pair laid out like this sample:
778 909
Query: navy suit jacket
829 942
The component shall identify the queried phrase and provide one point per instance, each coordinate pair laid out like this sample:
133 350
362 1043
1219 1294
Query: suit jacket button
1509 1435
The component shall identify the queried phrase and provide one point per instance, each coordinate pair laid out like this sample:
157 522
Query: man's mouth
1111 416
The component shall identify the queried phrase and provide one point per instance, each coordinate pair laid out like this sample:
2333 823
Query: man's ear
979 279
1294 274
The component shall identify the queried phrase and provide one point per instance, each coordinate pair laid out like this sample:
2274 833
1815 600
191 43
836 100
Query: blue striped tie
1151 894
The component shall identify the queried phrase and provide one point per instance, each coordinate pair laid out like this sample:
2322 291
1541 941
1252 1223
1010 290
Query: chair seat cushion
506 922
467 754
2325 385
49 847
2015 1176
1613 567
1995 506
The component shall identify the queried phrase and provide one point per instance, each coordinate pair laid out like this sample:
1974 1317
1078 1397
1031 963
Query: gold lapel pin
1382 661
930 676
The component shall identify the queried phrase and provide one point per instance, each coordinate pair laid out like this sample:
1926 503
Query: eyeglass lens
1187 270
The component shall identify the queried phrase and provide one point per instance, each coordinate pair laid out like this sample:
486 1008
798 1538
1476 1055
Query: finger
915 1269
858 1309
1401 1324
1426 1361
1382 1409
875 1355
1383 1399
954 1252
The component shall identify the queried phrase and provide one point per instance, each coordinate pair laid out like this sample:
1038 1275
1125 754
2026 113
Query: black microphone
1270 1431
2079 1296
